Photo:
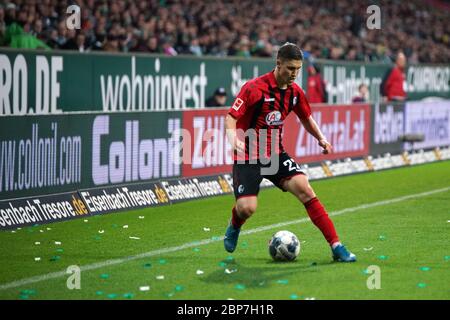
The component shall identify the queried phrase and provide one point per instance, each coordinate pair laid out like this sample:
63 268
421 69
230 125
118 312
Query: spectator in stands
78 43
195 48
218 99
2 25
316 89
168 49
325 29
363 94
392 85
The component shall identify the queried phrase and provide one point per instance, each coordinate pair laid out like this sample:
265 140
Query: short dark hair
289 51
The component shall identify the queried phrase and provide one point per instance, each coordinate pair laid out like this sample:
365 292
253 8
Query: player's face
288 70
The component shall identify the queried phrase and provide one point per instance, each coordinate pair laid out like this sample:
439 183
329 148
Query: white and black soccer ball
284 246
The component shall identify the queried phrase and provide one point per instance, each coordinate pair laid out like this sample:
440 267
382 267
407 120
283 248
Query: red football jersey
263 107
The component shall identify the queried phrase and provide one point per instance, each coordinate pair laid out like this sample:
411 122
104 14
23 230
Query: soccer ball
284 246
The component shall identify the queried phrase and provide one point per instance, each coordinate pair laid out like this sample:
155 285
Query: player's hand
239 146
326 146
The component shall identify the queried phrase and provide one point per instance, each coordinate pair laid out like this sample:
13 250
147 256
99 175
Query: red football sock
236 221
321 220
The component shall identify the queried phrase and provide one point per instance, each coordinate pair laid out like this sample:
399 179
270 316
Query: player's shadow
267 274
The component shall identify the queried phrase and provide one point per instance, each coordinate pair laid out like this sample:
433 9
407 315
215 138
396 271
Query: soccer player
261 107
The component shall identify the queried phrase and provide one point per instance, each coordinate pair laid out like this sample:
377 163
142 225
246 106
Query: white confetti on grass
199 272
125 226
37 259
135 238
86 220
161 277
206 229
144 288
58 243
141 217
228 271
118 261
37 243
101 231
368 249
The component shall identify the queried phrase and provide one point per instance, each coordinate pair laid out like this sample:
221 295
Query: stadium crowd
324 29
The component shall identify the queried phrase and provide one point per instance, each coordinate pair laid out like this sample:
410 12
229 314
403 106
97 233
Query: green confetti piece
170 294
162 261
425 268
447 258
383 257
365 271
196 249
293 296
99 293
222 264
111 296
244 244
229 258
147 265
179 288
240 287
55 258
382 237
59 250
104 276
128 296
28 292
24 297
283 281
97 238
421 285
215 238
114 225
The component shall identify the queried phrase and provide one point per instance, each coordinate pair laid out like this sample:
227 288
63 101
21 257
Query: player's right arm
230 125
243 102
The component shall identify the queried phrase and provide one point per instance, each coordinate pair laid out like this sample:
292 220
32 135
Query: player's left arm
311 126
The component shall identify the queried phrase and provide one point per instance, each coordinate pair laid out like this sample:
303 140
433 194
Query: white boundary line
112 262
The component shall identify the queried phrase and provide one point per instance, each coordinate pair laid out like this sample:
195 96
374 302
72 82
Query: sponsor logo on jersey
294 101
240 188
274 118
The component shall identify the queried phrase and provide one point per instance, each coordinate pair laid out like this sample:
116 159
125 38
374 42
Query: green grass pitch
176 250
